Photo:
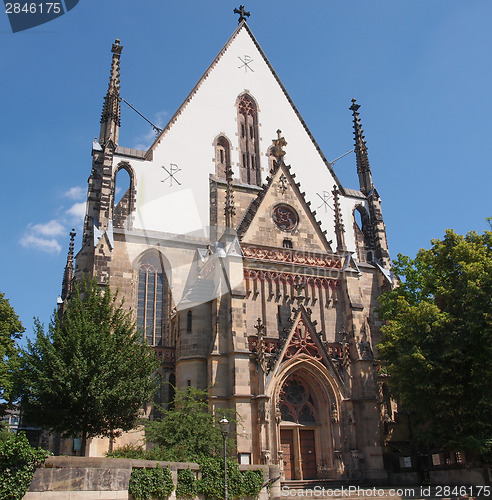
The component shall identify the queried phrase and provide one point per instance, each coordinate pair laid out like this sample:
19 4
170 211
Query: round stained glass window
285 217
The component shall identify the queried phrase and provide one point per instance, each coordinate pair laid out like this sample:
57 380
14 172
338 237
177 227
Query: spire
230 209
242 14
339 227
67 285
363 168
110 118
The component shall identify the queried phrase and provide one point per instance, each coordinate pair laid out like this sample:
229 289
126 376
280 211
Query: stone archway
307 425
298 408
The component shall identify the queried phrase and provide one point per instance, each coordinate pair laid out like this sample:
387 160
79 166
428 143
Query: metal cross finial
242 13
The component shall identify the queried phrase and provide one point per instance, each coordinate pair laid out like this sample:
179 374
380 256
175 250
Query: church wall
243 196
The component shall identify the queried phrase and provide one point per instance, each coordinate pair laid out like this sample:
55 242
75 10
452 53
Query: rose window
285 217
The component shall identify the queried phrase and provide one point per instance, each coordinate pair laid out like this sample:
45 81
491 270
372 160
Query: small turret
110 118
363 168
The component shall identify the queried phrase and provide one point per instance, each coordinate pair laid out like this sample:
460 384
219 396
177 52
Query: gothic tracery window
249 140
297 403
154 301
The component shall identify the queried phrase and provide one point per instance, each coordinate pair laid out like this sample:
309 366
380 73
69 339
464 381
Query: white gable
173 188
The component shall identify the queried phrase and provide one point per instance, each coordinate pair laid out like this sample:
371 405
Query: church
240 286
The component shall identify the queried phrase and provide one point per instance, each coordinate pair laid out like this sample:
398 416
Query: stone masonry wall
66 478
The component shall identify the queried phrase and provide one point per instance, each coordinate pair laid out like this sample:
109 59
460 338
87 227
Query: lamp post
224 429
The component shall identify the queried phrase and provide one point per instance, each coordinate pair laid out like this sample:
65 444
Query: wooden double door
298 448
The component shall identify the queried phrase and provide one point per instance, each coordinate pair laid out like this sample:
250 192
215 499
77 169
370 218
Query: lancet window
249 140
363 234
154 301
123 197
222 156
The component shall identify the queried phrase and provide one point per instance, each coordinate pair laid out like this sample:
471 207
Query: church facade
234 279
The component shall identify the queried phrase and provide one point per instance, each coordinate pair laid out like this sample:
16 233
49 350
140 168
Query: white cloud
77 210
76 193
39 243
44 236
51 228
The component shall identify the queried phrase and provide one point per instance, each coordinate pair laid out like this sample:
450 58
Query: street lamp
224 429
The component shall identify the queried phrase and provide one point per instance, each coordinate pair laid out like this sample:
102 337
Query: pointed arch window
248 140
297 403
154 301
222 156
363 234
123 196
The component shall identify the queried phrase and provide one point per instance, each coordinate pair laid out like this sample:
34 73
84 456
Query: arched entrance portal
298 442
305 431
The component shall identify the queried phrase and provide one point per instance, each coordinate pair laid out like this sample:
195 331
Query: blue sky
420 69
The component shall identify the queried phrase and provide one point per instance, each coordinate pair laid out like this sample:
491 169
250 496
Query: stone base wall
81 478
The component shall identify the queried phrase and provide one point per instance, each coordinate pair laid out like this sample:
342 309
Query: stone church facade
232 276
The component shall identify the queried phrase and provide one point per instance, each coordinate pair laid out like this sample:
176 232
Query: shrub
145 484
18 461
159 453
239 484
186 487
127 451
252 483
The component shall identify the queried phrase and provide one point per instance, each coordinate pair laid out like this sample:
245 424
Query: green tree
10 331
90 374
437 341
189 430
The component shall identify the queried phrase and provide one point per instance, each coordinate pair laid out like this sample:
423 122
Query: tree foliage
89 374
10 331
189 430
437 341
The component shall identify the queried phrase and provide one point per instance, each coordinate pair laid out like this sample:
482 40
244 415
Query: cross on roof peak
242 13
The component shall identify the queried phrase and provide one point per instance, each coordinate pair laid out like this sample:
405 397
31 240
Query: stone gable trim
253 208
